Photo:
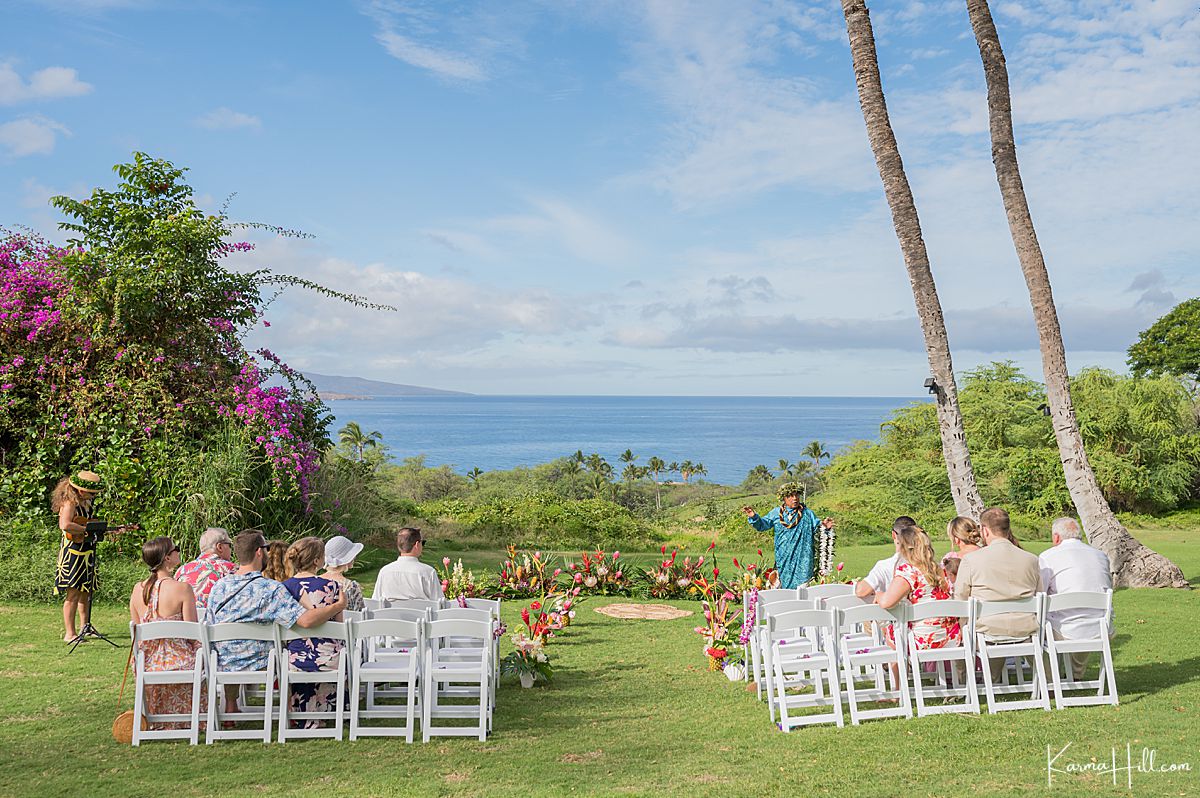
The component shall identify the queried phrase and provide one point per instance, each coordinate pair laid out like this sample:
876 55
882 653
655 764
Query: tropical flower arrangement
672 579
523 575
529 660
753 576
562 607
457 583
599 574
722 611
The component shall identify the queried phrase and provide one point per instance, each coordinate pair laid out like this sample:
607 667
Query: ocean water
729 435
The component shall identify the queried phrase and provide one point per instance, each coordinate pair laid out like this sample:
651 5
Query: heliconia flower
664 548
735 563
525 615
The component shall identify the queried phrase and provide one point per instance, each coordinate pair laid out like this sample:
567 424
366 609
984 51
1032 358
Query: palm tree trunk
1133 564
967 500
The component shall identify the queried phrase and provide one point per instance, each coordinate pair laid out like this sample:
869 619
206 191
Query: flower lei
786 513
826 544
748 622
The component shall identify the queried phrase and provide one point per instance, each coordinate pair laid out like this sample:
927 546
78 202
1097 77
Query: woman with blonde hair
163 598
966 539
75 573
304 557
919 579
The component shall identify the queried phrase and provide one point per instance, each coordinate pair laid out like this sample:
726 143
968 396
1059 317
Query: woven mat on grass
653 612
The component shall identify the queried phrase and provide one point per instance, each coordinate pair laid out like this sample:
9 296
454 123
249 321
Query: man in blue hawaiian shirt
795 528
246 596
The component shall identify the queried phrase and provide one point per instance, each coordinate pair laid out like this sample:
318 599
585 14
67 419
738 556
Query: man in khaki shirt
1001 571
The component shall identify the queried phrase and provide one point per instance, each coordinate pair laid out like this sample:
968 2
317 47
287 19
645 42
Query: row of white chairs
418 653
805 651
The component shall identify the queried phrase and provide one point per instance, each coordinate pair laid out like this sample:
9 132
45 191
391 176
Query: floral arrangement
671 579
599 574
722 611
457 583
529 660
753 576
523 575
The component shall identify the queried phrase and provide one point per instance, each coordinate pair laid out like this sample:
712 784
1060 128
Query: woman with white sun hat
340 552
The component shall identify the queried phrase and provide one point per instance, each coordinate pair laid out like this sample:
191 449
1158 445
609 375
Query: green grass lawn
632 711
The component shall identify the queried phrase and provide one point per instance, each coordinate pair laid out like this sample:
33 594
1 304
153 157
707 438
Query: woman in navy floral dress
318 653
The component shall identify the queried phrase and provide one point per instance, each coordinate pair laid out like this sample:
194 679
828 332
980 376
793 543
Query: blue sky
634 197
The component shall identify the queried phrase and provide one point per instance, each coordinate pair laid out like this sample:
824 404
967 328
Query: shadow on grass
1152 677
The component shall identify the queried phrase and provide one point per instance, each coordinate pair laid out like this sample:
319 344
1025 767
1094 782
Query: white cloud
30 135
228 119
440 62
45 84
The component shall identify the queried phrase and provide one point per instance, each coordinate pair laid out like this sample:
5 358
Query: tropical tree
760 475
628 457
474 474
1133 564
673 468
907 224
698 469
785 468
1171 345
600 474
816 450
686 469
357 441
655 466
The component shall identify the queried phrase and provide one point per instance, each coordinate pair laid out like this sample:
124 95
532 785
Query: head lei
789 489
83 481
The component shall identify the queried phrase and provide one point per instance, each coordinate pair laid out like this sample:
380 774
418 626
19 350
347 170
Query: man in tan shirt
1001 571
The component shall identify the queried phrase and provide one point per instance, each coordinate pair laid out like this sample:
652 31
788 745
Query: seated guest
918 580
246 596
950 569
407 577
316 653
162 598
1073 565
964 537
881 574
202 573
340 552
275 564
1000 571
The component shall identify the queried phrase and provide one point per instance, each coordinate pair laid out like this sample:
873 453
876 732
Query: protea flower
590 581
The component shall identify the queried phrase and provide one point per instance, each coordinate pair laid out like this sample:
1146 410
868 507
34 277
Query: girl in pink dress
161 598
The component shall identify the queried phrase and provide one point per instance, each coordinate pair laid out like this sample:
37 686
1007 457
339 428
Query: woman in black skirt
76 572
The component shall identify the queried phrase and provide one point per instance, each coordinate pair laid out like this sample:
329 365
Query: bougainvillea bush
122 352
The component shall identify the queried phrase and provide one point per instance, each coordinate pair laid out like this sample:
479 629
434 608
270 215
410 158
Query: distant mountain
334 387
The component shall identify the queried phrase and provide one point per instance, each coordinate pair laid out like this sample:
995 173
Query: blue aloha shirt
793 547
262 601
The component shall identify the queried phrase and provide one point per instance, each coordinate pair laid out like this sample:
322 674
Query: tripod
88 631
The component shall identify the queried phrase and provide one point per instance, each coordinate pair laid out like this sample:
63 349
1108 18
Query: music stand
95 531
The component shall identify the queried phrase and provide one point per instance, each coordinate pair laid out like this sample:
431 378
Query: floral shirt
259 600
931 632
204 572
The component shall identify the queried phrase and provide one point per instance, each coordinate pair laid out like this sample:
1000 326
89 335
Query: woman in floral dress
317 653
161 598
340 552
919 579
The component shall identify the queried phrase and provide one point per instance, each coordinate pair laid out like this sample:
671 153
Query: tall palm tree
785 468
1133 564
816 450
685 470
656 466
352 435
698 469
761 474
967 500
628 457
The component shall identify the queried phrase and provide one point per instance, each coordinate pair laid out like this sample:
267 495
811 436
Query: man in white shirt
408 577
1068 566
881 574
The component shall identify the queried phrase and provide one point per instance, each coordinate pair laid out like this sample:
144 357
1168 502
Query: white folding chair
864 636
795 667
757 669
332 630
458 670
413 604
796 638
397 669
828 591
865 657
354 615
1099 643
450 648
158 630
370 604
218 679
381 647
1038 689
492 606
947 658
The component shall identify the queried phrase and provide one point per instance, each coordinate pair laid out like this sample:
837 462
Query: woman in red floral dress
919 579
